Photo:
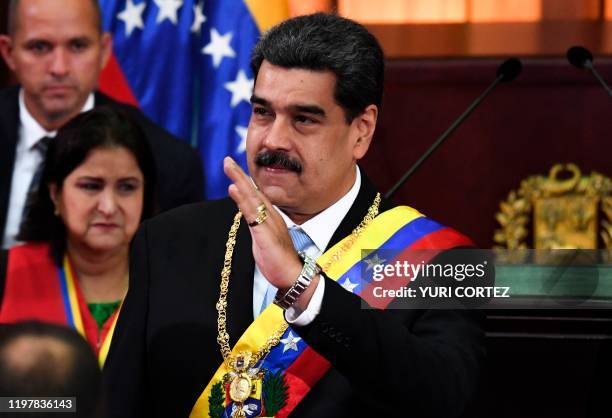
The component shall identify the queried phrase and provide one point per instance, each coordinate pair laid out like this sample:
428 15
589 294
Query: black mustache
278 159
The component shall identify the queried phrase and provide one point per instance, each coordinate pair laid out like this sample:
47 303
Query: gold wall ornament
562 209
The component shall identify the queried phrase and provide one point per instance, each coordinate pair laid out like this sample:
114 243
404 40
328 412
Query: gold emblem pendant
242 382
240 387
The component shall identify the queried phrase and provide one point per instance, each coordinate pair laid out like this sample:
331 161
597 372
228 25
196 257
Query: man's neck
299 217
47 123
52 123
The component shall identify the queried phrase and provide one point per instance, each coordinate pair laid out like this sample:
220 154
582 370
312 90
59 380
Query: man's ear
365 124
107 48
6 49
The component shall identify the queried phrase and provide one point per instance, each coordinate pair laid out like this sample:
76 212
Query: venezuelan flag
186 65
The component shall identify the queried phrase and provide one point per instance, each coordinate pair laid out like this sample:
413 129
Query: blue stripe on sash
65 296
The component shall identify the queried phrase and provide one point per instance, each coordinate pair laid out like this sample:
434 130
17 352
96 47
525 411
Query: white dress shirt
320 229
27 160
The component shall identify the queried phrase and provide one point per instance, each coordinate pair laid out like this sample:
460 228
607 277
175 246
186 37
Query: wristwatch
309 271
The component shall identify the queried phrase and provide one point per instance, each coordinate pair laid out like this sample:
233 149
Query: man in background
57 49
45 360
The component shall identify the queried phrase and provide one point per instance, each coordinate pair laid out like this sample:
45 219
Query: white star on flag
219 47
348 285
168 10
242 131
290 343
198 17
241 88
132 16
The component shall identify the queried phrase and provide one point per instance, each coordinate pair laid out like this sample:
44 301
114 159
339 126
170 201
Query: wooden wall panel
544 38
505 11
552 113
571 9
300 7
474 11
406 11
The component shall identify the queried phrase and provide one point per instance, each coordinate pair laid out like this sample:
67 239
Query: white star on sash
348 285
373 261
290 343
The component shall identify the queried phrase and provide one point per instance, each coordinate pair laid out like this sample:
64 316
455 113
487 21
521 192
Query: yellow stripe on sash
272 318
103 353
73 298
77 318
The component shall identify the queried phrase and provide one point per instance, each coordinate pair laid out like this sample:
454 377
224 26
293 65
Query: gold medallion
240 388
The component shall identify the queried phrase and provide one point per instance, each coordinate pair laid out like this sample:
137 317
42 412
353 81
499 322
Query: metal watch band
309 271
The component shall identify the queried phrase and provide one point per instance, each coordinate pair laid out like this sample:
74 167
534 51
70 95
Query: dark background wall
553 113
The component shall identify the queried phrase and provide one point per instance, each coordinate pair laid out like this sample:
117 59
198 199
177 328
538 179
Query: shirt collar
321 227
32 131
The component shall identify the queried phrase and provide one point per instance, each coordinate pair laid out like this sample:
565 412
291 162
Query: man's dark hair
100 128
12 16
322 42
60 364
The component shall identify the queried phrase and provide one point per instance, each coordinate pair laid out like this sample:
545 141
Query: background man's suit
164 349
179 171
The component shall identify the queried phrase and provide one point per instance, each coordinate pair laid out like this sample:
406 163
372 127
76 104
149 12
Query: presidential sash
73 306
291 368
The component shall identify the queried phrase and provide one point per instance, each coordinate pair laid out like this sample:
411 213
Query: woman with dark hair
96 187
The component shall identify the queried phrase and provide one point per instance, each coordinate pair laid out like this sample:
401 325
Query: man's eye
261 111
78 46
304 119
39 47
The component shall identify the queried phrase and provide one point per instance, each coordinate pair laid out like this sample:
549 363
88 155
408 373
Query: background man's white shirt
27 160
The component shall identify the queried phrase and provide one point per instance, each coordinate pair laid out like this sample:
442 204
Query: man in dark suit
57 50
199 275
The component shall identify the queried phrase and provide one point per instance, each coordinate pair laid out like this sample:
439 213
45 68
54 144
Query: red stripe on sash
301 376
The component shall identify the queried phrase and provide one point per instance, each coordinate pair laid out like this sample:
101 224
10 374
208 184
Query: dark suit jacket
179 170
405 363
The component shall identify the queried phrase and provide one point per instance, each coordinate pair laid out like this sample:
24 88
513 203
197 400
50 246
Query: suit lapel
9 135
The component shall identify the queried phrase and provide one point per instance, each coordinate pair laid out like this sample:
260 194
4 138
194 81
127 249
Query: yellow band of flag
268 13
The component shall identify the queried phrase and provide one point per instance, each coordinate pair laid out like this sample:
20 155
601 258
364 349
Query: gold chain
274 339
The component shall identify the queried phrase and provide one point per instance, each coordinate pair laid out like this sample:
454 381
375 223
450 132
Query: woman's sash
292 368
78 315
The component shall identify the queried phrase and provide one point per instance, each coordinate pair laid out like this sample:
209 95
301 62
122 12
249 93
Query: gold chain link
274 339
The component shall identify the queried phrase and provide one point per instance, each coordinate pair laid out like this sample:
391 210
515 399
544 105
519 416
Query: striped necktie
41 146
